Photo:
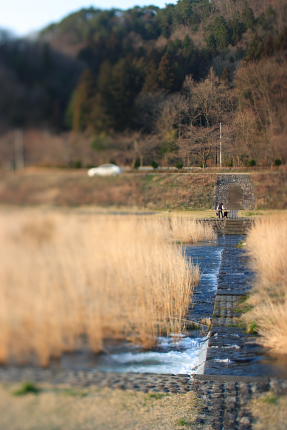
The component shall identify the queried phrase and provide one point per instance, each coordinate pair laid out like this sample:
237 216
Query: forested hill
172 73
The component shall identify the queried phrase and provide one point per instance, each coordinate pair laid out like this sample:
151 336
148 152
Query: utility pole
220 144
19 150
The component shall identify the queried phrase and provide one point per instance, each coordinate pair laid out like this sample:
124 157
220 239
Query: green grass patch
157 396
241 244
243 306
74 392
253 213
149 178
27 388
183 422
252 328
271 399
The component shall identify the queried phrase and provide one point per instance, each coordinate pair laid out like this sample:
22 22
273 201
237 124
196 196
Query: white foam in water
222 360
184 356
231 347
212 276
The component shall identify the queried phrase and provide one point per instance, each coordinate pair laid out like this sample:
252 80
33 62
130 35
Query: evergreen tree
166 73
248 18
219 36
126 84
101 118
151 77
82 101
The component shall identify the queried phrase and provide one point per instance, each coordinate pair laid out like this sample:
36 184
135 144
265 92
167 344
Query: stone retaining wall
235 191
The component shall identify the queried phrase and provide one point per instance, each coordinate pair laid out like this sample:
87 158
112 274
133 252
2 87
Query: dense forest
152 85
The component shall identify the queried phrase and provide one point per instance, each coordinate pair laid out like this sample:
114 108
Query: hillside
161 80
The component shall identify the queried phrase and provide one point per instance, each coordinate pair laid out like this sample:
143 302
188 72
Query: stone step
229 227
235 223
231 222
234 228
235 231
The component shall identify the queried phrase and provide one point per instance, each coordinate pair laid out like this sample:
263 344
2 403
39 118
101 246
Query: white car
105 170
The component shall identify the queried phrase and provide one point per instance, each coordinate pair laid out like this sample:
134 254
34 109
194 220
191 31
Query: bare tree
209 102
262 110
199 144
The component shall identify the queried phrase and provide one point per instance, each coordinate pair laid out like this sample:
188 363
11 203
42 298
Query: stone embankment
226 400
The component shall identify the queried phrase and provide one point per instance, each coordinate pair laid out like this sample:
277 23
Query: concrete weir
229 226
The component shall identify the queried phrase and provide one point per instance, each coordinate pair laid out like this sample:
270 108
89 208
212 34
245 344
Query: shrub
179 164
154 164
27 388
76 164
137 163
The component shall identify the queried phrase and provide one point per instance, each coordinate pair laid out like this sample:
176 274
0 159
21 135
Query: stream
186 354
225 273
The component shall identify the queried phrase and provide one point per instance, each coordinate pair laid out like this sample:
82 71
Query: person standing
219 210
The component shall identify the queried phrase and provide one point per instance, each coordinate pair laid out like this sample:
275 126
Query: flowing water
224 270
181 354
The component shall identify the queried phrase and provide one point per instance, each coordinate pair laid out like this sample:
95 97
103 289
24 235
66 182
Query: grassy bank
95 409
64 188
64 276
267 244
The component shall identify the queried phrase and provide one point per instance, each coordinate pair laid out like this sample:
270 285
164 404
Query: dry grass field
65 275
95 409
270 412
267 243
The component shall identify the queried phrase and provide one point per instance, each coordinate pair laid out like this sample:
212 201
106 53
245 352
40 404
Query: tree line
164 77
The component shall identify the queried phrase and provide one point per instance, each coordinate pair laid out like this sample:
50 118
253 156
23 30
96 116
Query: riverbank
91 408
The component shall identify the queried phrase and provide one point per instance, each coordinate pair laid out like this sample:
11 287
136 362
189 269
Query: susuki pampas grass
66 275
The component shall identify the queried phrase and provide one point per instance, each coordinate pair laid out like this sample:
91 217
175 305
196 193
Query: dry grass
63 276
189 230
95 409
270 412
267 243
